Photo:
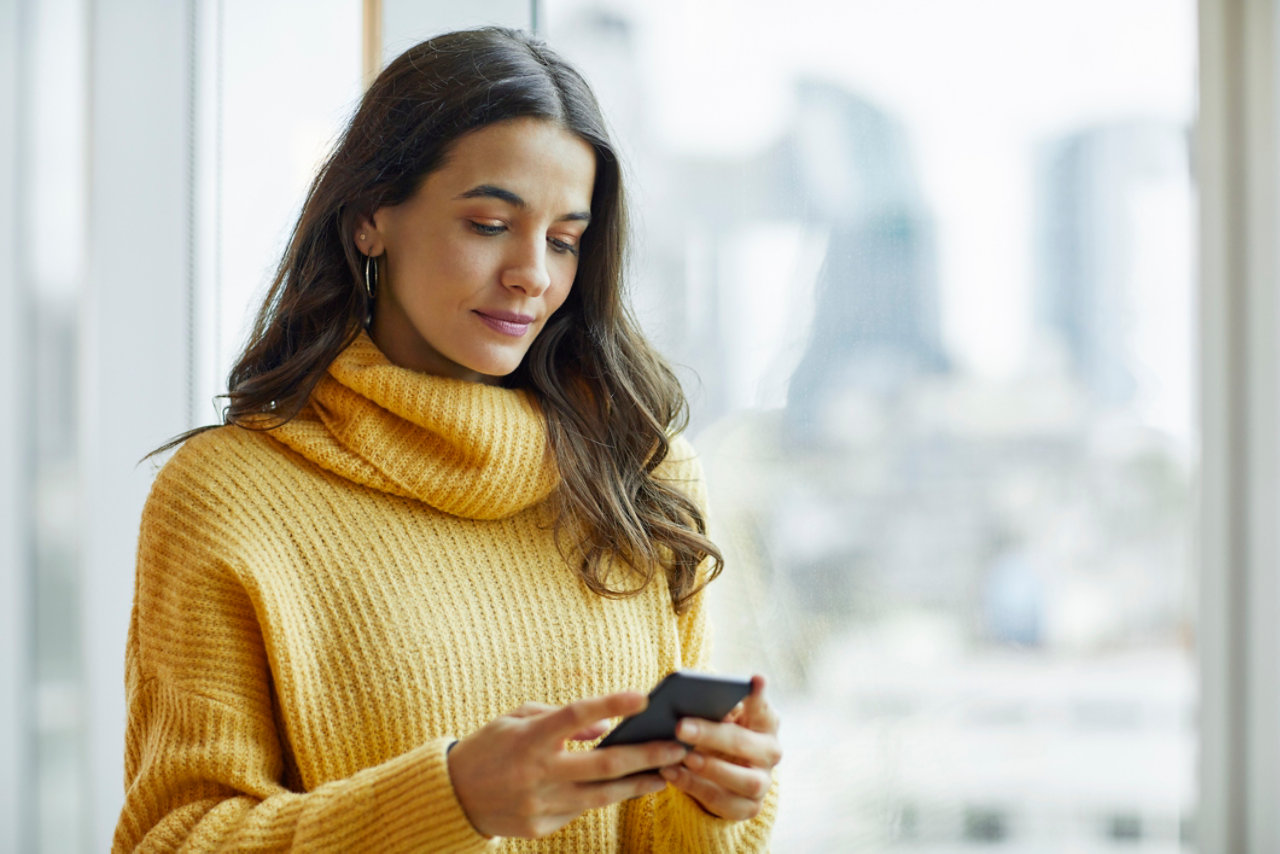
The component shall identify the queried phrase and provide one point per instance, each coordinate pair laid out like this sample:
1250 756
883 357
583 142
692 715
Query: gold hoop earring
370 276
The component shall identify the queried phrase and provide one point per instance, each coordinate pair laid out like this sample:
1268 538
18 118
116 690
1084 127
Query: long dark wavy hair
609 399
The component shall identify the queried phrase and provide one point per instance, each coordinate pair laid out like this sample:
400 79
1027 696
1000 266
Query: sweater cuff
418 808
689 827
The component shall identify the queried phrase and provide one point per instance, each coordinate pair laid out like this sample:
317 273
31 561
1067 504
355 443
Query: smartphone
682 694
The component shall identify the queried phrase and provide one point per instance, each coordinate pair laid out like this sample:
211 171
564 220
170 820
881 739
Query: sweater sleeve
680 823
205 766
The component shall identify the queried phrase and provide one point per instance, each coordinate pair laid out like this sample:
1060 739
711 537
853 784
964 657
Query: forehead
539 160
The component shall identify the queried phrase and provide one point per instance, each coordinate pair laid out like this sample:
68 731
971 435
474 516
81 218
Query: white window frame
1237 149
15 590
136 333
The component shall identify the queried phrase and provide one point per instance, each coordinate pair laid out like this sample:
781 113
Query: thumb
756 713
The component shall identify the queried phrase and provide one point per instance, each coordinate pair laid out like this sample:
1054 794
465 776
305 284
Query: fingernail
694 761
688 729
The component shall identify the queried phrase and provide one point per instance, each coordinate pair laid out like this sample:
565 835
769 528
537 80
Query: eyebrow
489 191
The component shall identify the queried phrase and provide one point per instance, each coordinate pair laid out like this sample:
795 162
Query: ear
368 238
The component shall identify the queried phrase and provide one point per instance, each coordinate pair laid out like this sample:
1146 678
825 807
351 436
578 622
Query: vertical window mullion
1240 416
16 772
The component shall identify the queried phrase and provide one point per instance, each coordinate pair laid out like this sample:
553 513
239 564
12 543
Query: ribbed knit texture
322 609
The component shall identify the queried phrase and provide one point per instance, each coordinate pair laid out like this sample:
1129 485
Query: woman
446 533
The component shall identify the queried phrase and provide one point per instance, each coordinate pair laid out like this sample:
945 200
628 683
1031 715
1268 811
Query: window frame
1239 412
16 761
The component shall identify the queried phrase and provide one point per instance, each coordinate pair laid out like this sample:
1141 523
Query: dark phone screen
683 694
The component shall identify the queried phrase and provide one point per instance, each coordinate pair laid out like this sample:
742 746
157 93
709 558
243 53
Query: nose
526 271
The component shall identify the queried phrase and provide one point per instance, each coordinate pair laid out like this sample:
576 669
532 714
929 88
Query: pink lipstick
506 322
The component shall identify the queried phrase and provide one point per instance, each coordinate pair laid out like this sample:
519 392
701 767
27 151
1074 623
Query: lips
506 322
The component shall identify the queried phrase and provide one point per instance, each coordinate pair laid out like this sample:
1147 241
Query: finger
757 714
530 710
754 712
736 742
601 794
582 714
592 732
747 782
735 714
754 704
713 797
612 763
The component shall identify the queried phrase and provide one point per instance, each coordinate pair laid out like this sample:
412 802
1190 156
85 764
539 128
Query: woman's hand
730 769
514 776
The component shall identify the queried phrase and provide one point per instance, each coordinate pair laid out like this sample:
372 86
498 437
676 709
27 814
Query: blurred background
927 268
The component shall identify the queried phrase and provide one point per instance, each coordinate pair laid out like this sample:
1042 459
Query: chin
495 370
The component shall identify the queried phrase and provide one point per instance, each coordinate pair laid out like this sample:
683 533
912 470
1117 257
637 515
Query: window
927 270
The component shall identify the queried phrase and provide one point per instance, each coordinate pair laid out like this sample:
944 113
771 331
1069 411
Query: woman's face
484 252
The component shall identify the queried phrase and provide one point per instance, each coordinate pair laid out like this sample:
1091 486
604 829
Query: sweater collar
469 449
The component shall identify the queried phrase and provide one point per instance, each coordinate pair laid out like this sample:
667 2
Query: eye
487 227
563 247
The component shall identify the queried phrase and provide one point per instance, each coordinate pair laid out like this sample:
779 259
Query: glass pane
54 206
927 267
262 150
407 22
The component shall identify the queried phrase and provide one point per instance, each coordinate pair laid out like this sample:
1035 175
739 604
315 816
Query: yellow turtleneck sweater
322 609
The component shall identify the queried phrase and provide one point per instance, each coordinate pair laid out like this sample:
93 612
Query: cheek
438 266
564 276
458 263
558 294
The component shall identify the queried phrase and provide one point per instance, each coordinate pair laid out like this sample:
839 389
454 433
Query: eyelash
562 247
557 245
